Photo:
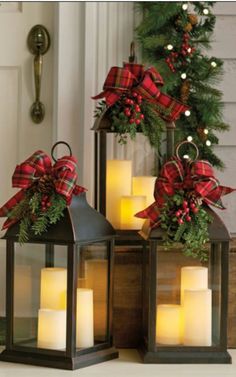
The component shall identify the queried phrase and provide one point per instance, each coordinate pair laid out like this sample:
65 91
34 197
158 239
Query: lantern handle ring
187 142
55 145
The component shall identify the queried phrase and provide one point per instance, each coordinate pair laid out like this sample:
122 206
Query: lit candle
84 318
144 186
130 205
197 315
168 324
52 329
193 277
53 288
118 184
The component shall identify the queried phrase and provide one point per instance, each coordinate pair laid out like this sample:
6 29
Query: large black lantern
59 292
185 301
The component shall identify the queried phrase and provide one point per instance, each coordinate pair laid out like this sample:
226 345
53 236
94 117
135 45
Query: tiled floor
128 365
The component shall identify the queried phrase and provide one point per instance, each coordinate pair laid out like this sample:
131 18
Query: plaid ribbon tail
152 212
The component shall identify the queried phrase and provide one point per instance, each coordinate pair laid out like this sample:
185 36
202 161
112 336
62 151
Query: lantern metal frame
149 350
80 226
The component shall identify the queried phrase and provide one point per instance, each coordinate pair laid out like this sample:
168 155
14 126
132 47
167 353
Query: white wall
224 48
92 37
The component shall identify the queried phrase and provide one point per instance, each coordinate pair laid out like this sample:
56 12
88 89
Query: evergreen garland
172 39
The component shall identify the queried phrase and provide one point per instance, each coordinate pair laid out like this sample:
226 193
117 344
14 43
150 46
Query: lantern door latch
38 43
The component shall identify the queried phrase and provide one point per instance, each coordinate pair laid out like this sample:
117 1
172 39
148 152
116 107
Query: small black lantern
59 292
185 301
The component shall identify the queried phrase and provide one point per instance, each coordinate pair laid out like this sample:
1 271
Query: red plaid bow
134 77
39 164
197 176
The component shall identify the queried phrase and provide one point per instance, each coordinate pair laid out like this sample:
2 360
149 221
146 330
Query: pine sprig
191 232
33 218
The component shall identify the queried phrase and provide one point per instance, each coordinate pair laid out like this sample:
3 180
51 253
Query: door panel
19 136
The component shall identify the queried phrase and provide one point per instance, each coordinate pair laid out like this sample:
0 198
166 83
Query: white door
19 136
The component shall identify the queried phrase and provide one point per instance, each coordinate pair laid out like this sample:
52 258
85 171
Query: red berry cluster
183 214
186 50
46 203
172 59
132 108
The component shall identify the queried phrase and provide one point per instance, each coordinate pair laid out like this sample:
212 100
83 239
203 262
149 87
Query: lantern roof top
218 232
80 224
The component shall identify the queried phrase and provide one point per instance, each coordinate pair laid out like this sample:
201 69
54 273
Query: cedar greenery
167 23
192 234
32 217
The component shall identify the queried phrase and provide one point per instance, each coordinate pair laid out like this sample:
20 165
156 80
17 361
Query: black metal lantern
59 292
185 301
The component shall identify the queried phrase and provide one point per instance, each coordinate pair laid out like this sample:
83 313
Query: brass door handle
38 43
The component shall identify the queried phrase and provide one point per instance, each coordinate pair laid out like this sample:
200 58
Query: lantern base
181 356
57 361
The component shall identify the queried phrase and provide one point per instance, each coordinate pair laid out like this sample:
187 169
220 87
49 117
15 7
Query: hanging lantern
62 317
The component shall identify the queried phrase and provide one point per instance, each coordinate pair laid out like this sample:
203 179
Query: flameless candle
118 184
168 324
197 315
144 186
193 277
53 288
52 329
130 205
84 318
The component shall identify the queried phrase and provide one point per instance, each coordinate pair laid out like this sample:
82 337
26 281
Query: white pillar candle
118 184
168 324
144 186
23 291
84 318
197 312
130 205
53 288
193 277
52 329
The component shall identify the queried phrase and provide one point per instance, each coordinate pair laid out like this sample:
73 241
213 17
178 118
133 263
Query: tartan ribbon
36 166
144 82
195 176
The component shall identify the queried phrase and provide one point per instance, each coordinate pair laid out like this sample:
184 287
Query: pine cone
201 133
188 27
184 91
193 19
45 184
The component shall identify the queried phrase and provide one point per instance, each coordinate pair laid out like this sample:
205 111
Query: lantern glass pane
40 285
92 295
188 299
